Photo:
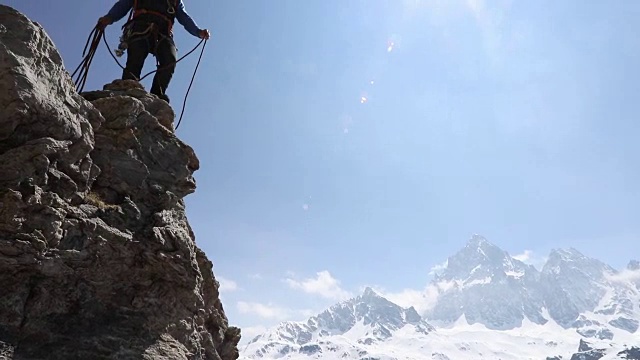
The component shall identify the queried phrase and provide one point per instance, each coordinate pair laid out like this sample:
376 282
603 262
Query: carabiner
171 10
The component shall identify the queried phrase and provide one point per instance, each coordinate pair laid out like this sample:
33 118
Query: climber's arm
185 20
119 10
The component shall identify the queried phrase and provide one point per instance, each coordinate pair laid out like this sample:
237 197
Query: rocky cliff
97 258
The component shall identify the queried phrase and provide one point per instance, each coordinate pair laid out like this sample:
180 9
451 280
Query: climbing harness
127 28
155 13
171 10
91 47
128 35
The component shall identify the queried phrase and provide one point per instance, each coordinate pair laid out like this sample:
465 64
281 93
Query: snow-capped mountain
573 284
366 320
487 286
588 295
489 306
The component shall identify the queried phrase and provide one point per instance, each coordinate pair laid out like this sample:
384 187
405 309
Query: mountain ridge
487 293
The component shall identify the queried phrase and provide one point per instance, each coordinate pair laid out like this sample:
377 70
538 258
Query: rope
184 103
92 45
104 38
174 62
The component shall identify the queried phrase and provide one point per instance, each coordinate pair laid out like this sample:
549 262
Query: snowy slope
460 342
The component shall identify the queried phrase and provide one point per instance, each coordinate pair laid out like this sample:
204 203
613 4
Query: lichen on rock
97 258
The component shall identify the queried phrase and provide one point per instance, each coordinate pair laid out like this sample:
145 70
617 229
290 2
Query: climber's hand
204 34
103 22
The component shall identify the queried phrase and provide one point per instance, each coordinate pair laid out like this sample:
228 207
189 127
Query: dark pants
164 49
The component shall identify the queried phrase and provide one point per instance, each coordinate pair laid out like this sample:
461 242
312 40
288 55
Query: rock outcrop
587 352
97 258
630 354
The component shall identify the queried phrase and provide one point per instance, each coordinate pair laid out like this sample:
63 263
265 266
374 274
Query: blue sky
511 119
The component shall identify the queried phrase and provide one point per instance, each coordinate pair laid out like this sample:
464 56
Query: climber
150 30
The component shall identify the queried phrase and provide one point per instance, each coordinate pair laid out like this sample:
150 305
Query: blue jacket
122 8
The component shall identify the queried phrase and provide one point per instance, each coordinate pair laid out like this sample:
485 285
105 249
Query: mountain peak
370 293
482 273
634 265
374 317
478 241
479 257
480 245
573 259
566 254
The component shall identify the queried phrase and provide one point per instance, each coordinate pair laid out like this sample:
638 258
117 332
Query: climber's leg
136 55
166 55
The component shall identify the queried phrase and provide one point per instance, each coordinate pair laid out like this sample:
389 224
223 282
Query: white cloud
432 294
422 300
439 267
323 285
525 256
264 311
256 276
406 298
307 313
250 332
531 258
626 276
226 285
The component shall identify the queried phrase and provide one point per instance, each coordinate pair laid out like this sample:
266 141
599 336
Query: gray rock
97 258
630 354
600 333
630 325
587 352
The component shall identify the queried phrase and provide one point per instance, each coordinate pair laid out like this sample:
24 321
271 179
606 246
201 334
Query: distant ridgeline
483 305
